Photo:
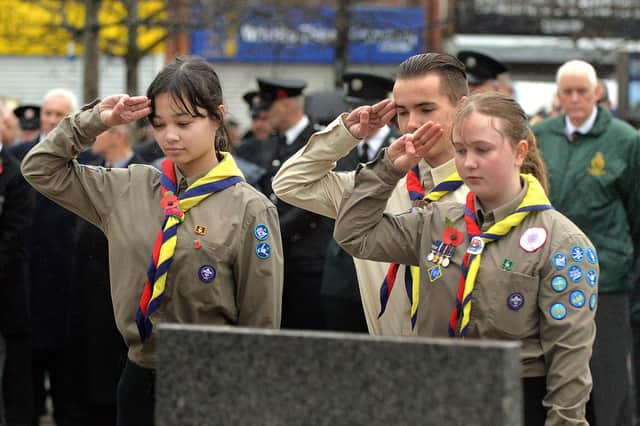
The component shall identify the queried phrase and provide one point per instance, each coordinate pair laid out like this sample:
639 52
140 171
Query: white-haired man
593 163
56 105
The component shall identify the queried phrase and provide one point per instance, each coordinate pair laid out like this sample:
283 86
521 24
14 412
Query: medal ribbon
412 273
535 200
222 176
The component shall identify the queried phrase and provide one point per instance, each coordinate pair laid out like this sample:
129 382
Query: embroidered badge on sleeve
263 250
261 232
533 238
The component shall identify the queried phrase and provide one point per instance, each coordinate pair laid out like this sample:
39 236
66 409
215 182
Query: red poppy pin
169 200
171 206
1 168
451 235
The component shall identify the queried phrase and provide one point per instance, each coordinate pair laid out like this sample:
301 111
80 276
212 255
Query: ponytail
222 138
533 162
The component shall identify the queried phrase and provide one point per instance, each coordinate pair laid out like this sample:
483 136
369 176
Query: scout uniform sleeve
259 267
567 301
306 180
362 229
51 169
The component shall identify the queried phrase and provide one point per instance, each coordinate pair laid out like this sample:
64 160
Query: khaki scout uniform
307 181
125 205
538 288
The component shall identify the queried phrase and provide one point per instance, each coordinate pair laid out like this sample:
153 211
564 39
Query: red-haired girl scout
505 265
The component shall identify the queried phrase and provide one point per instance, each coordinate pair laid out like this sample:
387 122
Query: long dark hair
192 83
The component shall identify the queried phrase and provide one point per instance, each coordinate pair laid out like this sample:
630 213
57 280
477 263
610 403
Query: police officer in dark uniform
305 235
259 146
29 120
342 306
485 73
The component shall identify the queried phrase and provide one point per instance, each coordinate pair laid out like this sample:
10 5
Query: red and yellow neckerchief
412 273
534 200
222 176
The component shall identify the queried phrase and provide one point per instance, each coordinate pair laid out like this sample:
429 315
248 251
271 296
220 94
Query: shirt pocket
204 281
514 308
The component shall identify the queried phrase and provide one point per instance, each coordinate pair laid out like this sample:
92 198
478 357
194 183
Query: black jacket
50 258
339 278
304 234
16 209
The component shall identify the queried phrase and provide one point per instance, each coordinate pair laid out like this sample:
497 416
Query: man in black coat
342 305
304 234
16 208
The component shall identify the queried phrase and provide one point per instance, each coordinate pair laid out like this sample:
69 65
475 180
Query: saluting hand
123 109
366 120
406 151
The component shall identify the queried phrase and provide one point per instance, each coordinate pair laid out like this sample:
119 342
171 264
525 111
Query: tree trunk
132 56
343 22
91 66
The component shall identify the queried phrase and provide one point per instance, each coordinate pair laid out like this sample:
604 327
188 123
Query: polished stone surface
242 376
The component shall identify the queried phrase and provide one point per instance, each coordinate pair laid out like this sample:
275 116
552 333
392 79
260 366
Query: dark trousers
17 387
611 402
301 298
342 314
535 388
635 326
57 365
136 399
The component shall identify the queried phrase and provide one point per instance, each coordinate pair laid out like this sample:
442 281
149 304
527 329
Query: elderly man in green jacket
593 163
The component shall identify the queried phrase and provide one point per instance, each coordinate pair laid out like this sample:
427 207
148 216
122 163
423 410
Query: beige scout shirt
125 205
519 281
307 181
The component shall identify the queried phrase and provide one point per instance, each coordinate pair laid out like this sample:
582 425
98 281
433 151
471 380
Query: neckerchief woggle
412 272
534 200
220 177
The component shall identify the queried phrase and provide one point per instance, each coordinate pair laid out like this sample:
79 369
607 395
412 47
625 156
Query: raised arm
361 227
85 190
307 180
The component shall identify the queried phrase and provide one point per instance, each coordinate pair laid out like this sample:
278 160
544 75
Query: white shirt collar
295 131
123 162
375 142
586 126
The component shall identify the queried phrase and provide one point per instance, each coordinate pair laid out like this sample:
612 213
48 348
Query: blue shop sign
378 35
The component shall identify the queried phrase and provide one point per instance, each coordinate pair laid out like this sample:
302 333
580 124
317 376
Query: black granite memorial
242 376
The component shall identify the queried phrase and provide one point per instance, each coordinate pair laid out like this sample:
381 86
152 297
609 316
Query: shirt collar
122 163
438 174
182 182
494 216
295 131
376 141
586 126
